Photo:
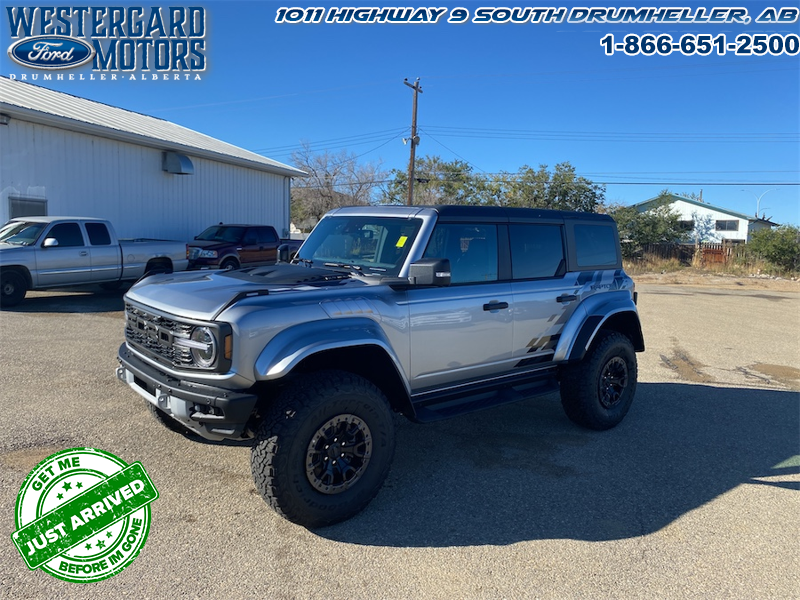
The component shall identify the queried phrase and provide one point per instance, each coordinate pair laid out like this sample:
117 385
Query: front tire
597 392
324 448
229 264
13 288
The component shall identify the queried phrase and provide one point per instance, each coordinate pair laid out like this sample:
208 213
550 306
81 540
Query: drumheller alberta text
142 43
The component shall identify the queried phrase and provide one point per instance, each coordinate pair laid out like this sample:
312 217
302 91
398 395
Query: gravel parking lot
694 495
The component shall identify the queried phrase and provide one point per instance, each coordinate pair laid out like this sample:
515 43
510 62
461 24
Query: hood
4 246
202 295
211 244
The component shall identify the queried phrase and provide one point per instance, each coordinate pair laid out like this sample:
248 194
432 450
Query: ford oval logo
51 52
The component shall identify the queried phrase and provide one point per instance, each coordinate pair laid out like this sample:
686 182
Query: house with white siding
708 223
65 155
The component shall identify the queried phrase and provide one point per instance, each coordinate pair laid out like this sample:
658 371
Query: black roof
503 214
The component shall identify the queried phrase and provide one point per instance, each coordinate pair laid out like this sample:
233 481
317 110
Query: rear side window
266 235
67 234
98 234
537 251
595 246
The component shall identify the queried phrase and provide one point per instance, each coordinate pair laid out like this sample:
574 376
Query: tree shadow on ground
523 472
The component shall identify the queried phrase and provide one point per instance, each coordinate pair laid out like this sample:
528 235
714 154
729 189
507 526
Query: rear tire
324 448
13 288
597 392
157 267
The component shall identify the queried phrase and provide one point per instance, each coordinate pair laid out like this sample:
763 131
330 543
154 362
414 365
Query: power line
362 138
612 136
452 151
450 177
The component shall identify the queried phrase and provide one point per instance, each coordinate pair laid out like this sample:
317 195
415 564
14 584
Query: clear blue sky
496 95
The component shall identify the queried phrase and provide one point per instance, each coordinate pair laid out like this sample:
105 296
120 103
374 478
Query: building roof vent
177 164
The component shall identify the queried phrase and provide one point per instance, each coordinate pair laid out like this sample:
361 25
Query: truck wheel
12 288
157 267
167 421
229 264
324 448
597 392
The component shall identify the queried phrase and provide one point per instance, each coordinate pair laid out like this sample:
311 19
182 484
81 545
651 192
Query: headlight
204 351
208 254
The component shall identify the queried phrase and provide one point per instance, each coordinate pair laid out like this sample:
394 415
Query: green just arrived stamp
83 515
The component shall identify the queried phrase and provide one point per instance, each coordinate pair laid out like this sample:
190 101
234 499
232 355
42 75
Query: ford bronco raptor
430 312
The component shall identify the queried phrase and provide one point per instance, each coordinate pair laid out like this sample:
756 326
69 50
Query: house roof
28 102
644 206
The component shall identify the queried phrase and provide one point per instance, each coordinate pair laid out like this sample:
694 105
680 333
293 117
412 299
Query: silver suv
430 312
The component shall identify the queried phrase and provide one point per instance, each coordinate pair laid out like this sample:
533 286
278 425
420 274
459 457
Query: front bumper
212 412
197 264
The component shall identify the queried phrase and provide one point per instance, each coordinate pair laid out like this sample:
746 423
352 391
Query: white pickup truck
46 252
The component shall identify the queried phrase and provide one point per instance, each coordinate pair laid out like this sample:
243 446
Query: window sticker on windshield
402 241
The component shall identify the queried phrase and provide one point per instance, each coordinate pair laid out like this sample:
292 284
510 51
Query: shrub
779 246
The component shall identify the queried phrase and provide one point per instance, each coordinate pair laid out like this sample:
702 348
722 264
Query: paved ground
695 495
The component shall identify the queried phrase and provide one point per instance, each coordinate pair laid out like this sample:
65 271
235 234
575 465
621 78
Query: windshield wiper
354 268
303 261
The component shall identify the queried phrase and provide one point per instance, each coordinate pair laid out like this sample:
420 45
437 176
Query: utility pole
414 139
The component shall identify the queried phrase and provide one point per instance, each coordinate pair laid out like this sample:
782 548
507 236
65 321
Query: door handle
495 306
84 253
566 298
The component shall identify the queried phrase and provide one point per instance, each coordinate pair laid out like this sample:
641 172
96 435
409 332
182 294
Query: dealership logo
126 40
51 52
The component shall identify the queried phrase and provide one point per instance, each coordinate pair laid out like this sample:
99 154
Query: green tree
779 246
436 181
454 182
559 189
658 224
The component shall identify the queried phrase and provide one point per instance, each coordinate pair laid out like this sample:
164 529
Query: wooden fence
703 254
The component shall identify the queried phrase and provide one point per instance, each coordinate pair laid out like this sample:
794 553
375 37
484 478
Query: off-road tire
229 264
13 288
281 459
597 392
167 421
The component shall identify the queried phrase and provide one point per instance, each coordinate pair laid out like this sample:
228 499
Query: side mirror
50 243
430 272
283 254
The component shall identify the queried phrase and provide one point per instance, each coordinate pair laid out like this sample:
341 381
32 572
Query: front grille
155 335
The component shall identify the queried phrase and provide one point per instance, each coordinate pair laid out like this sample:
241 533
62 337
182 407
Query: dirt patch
694 277
788 376
26 459
687 368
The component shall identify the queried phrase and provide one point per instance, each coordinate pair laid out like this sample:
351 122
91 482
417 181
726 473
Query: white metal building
708 223
64 155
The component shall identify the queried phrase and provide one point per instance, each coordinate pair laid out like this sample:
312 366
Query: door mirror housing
50 243
283 254
430 272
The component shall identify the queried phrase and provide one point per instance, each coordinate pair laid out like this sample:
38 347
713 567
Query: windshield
222 233
22 233
377 245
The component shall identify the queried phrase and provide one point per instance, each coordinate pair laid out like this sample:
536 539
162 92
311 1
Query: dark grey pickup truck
430 312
